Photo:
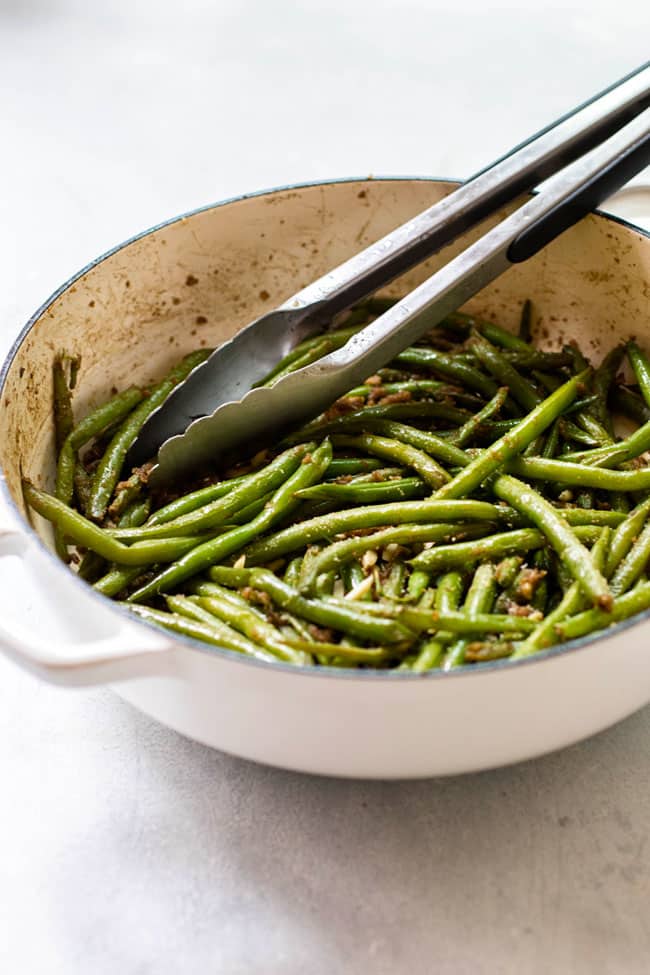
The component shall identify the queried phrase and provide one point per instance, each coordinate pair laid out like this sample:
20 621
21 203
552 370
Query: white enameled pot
196 280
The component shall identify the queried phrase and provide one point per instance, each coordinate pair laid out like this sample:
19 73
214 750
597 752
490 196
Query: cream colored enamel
197 281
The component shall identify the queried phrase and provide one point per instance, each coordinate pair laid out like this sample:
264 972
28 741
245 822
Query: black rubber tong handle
581 202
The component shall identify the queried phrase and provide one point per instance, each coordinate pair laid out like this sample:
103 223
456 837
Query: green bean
545 517
377 304
550 447
610 455
63 415
417 583
494 333
366 493
298 355
603 380
205 554
125 493
449 592
479 652
300 629
347 617
201 587
596 430
86 533
525 321
542 561
576 475
81 482
422 621
448 596
422 440
628 403
215 634
195 499
490 429
431 386
578 361
190 607
428 655
633 565
310 554
620 502
627 531
472 426
583 403
512 442
629 604
104 416
351 575
427 599
92 567
370 416
251 510
349 466
464 374
641 366
442 558
381 474
322 348
117 579
340 552
536 359
507 570
218 512
604 457
571 431
345 652
591 516
292 571
335 523
231 577
395 450
110 466
545 634
550 383
479 600
500 336
505 373
91 426
254 627
136 514
393 585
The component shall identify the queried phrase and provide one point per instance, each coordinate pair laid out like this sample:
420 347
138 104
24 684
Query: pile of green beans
470 502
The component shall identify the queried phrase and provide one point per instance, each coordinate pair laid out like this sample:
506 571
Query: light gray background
123 847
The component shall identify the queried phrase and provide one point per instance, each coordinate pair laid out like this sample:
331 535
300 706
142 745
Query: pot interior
196 281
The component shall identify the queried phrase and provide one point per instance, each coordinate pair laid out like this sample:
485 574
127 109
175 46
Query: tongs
587 154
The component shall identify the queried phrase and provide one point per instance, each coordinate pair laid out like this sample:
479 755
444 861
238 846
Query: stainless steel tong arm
304 393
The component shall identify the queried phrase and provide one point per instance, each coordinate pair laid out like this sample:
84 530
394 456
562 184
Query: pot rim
333 673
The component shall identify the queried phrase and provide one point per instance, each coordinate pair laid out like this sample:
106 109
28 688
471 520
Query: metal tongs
588 154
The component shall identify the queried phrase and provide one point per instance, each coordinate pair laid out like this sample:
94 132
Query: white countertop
125 848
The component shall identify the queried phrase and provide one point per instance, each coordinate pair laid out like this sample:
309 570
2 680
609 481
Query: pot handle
53 624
